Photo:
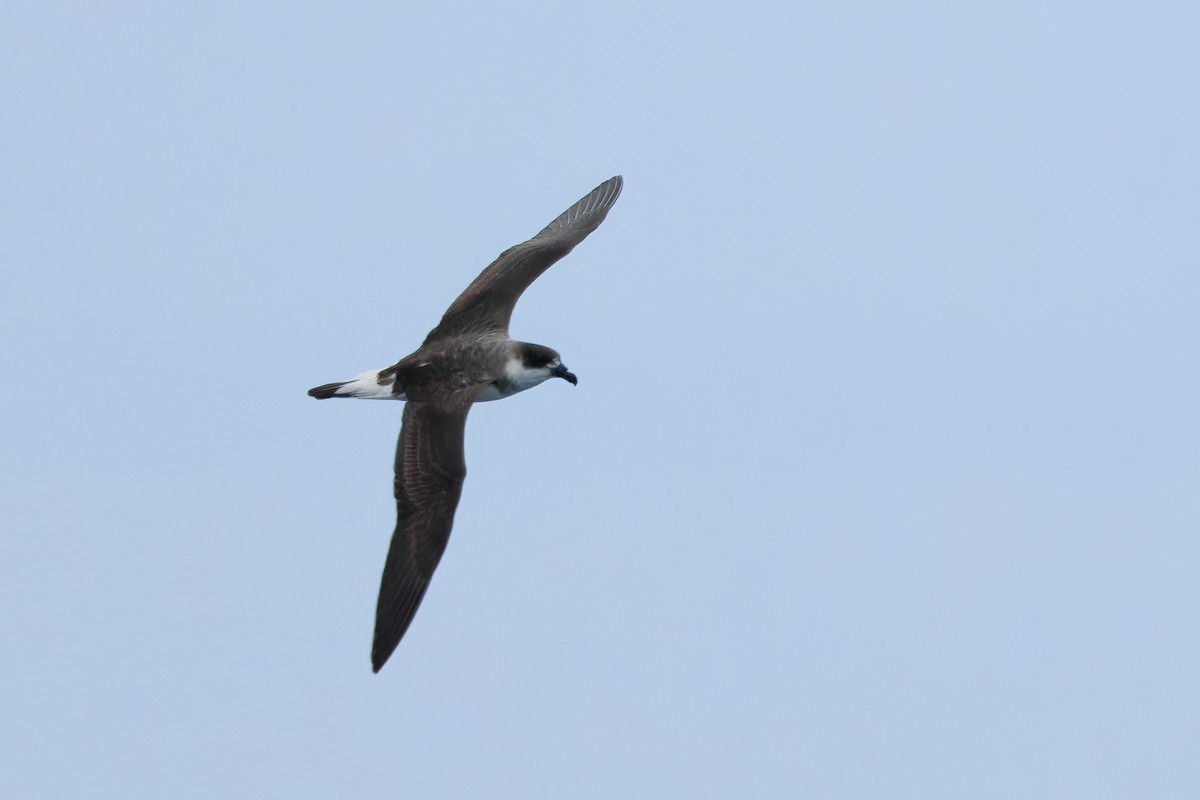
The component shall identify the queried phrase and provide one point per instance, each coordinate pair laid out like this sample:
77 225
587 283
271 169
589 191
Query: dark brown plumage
469 357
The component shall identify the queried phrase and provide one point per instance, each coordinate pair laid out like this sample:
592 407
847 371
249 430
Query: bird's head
544 361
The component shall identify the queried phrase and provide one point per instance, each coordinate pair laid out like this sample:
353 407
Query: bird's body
468 358
491 359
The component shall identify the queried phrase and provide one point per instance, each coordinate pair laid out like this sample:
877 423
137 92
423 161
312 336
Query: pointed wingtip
604 195
613 188
587 213
381 651
599 199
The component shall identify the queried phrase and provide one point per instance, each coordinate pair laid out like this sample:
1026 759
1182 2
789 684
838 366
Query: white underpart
367 385
518 379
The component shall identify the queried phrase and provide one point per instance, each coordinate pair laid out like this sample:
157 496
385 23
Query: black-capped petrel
468 358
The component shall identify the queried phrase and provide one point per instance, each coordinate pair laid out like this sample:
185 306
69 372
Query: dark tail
327 391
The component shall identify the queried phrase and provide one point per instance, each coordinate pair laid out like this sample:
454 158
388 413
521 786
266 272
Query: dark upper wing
488 302
430 469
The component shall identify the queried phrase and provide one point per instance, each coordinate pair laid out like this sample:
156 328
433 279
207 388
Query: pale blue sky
881 477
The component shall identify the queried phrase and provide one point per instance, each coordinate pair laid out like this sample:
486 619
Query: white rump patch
367 385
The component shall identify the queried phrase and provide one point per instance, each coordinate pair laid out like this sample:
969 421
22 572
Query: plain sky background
881 480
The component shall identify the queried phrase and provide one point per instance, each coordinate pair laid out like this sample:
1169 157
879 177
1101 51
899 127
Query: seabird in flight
468 358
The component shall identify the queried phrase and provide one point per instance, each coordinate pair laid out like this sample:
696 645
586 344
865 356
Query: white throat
517 378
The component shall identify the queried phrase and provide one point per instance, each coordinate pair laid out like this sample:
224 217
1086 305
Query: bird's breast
515 377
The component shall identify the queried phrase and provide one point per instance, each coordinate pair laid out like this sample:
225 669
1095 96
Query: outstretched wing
488 302
430 468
